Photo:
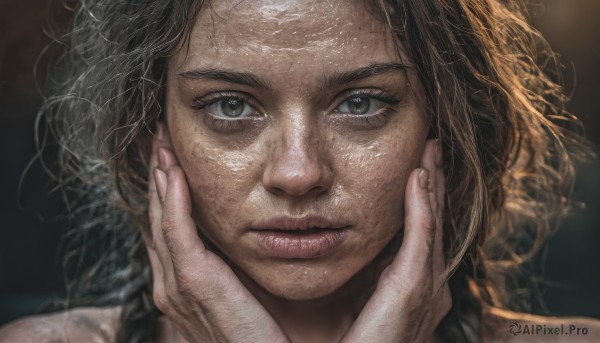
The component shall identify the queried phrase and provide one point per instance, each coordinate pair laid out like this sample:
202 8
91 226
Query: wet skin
302 137
306 144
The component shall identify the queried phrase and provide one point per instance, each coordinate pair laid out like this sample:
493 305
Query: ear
428 156
162 136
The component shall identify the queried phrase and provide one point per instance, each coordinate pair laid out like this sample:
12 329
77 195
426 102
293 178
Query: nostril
297 179
298 165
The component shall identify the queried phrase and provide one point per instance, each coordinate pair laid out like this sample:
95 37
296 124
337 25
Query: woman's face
297 126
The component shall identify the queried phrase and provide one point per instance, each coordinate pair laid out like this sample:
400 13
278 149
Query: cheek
219 182
375 177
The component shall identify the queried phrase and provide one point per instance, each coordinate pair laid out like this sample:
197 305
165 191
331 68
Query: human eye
366 107
225 105
365 101
226 112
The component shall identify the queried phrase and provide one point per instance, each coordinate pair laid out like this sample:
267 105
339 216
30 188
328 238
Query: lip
304 237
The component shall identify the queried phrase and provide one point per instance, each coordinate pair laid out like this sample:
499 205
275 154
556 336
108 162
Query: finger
165 221
152 237
433 163
179 229
428 162
157 249
412 268
155 218
147 234
419 226
166 158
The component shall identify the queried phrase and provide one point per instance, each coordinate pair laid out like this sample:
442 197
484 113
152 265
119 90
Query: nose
298 165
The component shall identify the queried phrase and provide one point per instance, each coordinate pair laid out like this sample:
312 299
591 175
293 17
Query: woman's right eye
230 108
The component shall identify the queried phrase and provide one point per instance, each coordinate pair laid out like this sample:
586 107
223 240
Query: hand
412 295
192 286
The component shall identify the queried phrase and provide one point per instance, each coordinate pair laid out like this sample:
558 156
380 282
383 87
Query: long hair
492 95
495 101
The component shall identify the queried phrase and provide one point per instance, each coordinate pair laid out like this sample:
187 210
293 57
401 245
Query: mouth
303 238
301 232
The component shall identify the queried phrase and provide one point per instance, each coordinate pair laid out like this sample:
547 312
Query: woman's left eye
359 105
231 108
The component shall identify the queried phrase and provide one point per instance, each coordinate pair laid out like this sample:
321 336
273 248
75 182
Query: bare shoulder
508 326
76 325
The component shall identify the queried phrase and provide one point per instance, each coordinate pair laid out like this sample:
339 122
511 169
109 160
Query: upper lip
298 223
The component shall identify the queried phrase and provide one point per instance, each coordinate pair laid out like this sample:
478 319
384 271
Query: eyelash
372 120
203 102
218 123
362 121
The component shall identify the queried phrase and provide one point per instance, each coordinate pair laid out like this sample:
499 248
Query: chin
301 292
300 283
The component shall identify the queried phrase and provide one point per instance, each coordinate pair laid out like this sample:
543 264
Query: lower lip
283 244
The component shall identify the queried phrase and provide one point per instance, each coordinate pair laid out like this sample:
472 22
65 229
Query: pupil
232 107
359 105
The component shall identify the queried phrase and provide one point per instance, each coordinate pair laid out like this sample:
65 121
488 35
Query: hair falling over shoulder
492 92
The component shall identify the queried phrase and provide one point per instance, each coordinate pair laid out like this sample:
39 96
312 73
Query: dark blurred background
31 224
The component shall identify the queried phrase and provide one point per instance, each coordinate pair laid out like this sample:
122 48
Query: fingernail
160 178
439 160
423 178
162 158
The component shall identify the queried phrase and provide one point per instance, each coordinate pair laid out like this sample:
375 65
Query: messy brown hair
495 100
492 93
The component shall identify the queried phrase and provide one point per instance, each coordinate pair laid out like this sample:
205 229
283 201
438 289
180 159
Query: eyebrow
247 79
340 78
335 79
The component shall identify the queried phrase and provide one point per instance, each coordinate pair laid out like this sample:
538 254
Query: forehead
276 36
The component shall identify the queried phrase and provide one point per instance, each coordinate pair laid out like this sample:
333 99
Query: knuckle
184 284
429 223
429 226
172 297
167 226
160 299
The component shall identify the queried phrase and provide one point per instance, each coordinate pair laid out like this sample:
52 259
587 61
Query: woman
311 171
